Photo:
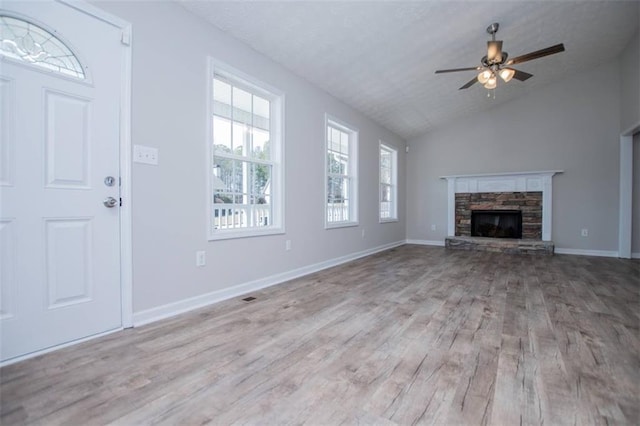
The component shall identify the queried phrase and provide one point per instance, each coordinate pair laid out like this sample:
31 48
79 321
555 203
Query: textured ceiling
380 57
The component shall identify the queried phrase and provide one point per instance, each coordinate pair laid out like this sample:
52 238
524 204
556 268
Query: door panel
60 244
69 257
67 140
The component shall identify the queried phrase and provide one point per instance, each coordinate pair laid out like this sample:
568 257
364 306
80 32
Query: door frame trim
625 209
126 256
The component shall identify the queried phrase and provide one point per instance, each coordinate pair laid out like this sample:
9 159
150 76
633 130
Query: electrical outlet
201 258
145 155
287 245
433 227
584 232
362 232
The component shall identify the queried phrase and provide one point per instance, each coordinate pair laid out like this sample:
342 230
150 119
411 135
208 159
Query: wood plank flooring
413 335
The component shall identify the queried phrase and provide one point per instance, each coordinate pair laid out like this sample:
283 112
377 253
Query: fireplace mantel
502 182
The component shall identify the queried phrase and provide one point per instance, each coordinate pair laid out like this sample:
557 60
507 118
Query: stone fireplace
527 205
503 210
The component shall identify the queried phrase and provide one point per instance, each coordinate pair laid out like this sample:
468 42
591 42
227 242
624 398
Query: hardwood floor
414 335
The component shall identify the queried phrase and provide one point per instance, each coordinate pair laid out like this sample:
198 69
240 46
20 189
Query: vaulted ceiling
380 57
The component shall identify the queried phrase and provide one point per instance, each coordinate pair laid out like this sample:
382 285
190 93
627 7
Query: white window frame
276 135
393 211
352 172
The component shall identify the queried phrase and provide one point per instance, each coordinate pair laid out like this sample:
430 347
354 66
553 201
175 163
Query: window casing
341 174
388 183
246 188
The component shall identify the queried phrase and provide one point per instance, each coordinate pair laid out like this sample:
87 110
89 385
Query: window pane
337 199
344 143
261 113
221 91
385 210
332 189
385 158
261 183
335 138
385 176
242 110
261 146
337 164
240 138
26 42
385 193
221 134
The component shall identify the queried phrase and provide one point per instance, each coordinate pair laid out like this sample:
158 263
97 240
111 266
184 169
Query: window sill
340 225
391 220
234 234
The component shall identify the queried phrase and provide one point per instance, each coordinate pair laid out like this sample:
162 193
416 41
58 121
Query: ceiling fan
496 62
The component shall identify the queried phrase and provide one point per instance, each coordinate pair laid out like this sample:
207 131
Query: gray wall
170 49
630 84
572 125
630 118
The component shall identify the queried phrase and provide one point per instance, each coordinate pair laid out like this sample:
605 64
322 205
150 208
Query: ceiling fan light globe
507 74
491 83
484 76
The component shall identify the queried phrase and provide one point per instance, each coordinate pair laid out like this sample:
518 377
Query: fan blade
458 69
469 84
537 54
522 76
494 51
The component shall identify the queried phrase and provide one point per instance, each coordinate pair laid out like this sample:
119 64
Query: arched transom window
27 42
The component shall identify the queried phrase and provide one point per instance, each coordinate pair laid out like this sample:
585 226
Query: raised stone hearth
500 245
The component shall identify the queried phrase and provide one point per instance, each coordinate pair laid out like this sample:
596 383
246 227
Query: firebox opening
496 223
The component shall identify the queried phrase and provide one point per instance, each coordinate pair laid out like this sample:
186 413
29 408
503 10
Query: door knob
110 202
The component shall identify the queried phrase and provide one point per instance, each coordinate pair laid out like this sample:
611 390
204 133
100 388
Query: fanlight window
26 42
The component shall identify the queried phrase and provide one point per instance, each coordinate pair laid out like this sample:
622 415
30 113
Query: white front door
59 135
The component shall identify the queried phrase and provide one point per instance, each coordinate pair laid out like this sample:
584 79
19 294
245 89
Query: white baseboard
580 252
635 255
171 309
57 347
426 242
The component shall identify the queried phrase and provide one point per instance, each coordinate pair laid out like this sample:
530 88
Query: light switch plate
145 155
201 258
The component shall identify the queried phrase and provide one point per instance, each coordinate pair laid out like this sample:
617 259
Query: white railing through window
234 216
337 212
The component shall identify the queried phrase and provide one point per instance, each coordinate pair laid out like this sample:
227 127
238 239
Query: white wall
170 49
572 125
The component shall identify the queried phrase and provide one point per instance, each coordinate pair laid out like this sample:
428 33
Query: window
341 174
26 42
388 183
246 195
